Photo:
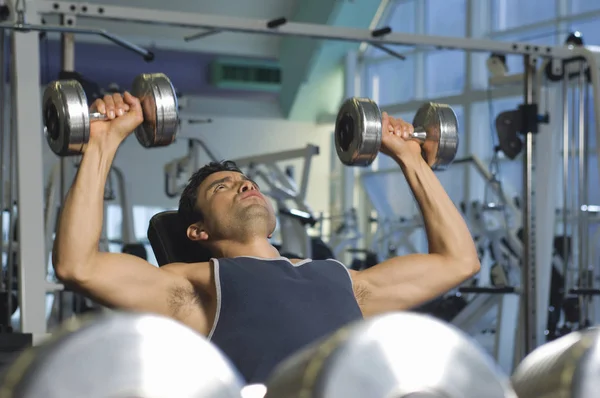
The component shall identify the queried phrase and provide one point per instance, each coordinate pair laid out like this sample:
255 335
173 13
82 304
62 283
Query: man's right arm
115 280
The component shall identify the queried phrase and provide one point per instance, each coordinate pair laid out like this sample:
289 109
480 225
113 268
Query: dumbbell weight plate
439 123
355 148
161 111
66 117
122 355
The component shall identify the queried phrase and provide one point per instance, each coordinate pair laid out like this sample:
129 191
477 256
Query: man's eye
219 186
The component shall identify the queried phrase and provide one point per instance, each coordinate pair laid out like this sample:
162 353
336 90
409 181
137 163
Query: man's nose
246 186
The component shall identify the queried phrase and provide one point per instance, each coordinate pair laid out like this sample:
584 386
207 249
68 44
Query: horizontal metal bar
315 31
277 156
148 55
488 290
54 287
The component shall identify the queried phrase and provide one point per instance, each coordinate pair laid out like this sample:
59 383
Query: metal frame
546 151
26 91
127 229
218 23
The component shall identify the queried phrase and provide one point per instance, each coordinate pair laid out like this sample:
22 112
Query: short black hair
189 213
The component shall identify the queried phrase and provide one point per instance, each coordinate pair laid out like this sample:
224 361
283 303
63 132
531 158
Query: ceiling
252 45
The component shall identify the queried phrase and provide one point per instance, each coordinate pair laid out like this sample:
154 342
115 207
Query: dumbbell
67 118
358 132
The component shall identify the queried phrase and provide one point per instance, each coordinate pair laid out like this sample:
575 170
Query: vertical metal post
565 217
67 44
25 90
528 268
127 229
547 167
581 215
7 285
67 47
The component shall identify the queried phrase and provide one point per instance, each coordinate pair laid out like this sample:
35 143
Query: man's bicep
404 282
127 282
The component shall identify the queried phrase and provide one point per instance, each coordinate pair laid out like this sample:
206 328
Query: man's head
221 203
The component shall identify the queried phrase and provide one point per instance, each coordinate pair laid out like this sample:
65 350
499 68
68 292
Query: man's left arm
403 282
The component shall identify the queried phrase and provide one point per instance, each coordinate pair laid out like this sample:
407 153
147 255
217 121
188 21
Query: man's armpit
361 292
183 300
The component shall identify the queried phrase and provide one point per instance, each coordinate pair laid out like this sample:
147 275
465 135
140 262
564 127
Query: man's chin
254 211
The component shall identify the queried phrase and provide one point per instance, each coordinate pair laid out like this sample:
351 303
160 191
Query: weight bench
169 242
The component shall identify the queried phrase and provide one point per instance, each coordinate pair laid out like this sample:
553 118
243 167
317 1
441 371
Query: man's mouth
250 194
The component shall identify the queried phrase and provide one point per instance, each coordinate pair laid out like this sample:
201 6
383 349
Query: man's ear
196 232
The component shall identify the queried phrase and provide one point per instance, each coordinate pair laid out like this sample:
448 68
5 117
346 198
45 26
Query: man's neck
261 248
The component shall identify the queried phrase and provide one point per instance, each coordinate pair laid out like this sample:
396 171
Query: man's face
232 204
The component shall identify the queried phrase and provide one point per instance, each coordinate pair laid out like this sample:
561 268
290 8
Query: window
581 6
389 193
391 81
445 73
592 135
508 14
590 30
593 180
446 17
445 70
452 179
401 17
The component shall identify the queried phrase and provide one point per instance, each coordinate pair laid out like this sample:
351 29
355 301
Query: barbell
358 133
67 117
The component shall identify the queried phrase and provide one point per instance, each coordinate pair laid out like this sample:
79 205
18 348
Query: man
255 305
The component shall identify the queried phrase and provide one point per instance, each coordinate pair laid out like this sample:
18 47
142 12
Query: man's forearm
447 232
80 223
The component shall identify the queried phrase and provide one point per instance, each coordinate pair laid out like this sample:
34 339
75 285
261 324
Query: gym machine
346 233
574 82
66 303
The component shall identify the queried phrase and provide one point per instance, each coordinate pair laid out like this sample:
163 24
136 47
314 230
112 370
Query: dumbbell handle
97 116
419 134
